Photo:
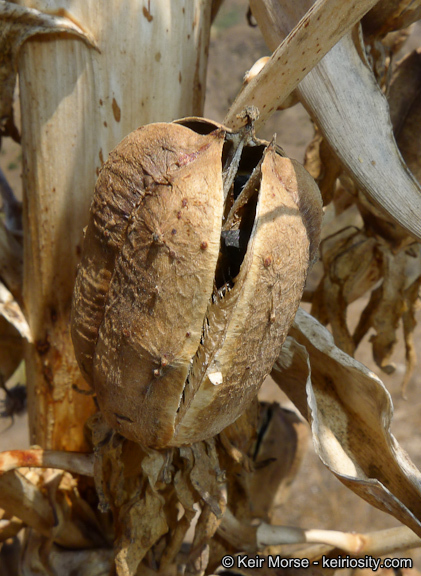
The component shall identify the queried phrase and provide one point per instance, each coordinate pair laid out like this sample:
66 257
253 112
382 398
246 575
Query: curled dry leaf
355 120
353 116
281 444
352 266
396 296
17 25
20 497
194 263
355 261
50 503
263 447
271 453
350 412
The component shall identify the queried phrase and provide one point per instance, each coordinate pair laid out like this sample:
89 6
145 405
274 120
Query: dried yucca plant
159 315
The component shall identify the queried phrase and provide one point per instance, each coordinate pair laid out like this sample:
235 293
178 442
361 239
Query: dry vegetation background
317 499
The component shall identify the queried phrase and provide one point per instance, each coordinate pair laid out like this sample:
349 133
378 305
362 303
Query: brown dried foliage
379 259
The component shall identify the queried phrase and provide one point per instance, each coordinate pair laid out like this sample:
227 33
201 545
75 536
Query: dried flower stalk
97 98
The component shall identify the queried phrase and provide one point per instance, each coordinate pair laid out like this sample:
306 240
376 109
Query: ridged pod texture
175 326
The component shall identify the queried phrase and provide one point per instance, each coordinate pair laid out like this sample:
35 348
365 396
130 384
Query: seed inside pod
215 299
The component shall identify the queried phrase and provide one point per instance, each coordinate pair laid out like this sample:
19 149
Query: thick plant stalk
77 104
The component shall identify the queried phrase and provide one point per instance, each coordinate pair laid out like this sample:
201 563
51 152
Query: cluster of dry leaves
364 250
139 506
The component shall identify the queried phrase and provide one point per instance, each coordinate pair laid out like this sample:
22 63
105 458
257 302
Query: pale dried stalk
74 462
77 104
254 538
391 540
246 537
320 29
377 543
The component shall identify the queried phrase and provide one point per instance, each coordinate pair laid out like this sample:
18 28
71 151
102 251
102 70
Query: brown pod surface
194 263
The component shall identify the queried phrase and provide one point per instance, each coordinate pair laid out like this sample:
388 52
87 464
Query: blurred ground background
318 499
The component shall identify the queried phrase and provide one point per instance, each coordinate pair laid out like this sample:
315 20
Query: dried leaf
323 165
281 445
141 524
352 265
404 99
17 25
354 119
198 557
145 490
321 27
391 15
350 412
389 302
206 476
411 304
239 438
268 452
292 372
75 523
343 97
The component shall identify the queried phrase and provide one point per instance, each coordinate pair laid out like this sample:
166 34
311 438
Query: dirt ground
317 500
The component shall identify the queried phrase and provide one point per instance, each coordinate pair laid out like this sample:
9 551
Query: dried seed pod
195 258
